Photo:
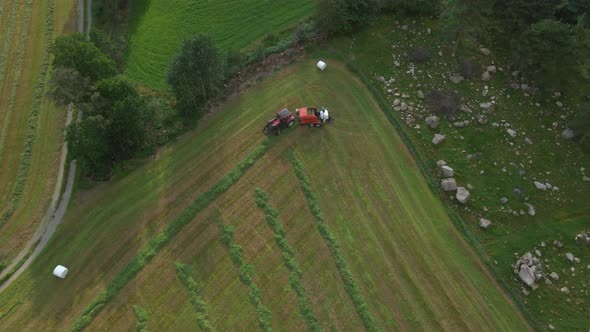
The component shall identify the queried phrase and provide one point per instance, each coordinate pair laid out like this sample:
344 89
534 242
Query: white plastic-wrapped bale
60 271
321 65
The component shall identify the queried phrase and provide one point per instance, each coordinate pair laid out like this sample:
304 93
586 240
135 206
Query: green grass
158 27
194 289
142 318
412 267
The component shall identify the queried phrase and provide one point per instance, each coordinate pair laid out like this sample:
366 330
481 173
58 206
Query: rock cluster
529 269
583 238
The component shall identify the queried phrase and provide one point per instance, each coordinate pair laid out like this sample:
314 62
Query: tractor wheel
318 125
291 123
311 125
277 132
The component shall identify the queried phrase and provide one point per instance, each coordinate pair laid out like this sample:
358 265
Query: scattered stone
528 141
486 76
459 124
524 87
567 133
482 118
531 210
396 63
404 107
465 108
583 239
565 290
551 327
540 186
514 86
511 132
485 91
557 94
441 163
456 79
559 104
463 195
484 223
557 244
420 94
448 184
447 171
570 257
527 275
548 282
438 138
554 276
577 260
538 253
396 102
585 179
485 51
491 69
515 73
503 200
432 121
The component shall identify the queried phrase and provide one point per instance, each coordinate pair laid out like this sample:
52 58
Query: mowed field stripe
16 76
194 290
159 241
33 121
8 38
288 254
350 284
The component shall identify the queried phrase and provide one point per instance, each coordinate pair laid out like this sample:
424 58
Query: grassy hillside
348 212
28 165
158 27
494 164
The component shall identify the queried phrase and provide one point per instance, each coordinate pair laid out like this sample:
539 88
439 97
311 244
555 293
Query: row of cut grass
142 318
33 121
288 254
157 242
20 57
246 274
194 290
8 36
350 284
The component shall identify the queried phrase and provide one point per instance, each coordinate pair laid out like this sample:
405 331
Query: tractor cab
283 119
309 116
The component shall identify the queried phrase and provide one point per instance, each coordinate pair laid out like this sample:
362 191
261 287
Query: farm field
158 27
31 128
349 229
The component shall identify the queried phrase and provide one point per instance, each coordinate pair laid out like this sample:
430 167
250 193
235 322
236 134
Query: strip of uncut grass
350 284
288 254
246 274
160 240
20 58
142 318
33 122
7 36
194 290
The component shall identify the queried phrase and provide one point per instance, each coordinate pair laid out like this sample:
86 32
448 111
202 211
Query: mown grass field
371 244
501 163
158 27
31 128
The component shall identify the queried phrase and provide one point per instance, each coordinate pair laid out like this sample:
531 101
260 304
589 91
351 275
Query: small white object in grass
321 65
60 271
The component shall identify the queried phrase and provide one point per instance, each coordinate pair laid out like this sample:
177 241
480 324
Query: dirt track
54 214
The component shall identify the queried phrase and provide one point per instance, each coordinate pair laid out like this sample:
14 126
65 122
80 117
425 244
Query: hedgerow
246 274
194 290
157 242
33 121
20 57
142 318
350 284
288 254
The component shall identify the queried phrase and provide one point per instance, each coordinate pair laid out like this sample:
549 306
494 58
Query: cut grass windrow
33 121
246 274
194 290
288 254
160 240
350 284
142 318
8 38
20 58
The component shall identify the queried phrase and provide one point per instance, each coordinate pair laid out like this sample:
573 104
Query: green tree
197 74
126 128
87 143
512 17
467 19
111 90
335 16
68 86
75 51
546 50
581 123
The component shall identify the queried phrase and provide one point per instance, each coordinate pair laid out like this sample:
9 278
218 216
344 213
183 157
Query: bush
194 289
468 68
411 7
142 318
420 55
445 103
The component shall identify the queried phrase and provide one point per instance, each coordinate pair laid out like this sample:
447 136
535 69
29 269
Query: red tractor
309 116
283 119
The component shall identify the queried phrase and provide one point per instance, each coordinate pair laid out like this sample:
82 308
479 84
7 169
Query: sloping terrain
158 27
349 236
28 165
